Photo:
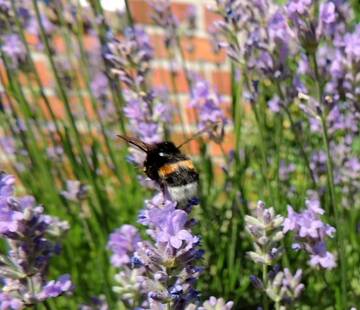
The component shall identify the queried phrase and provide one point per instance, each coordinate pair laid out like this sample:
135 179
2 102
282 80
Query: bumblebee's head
163 153
159 155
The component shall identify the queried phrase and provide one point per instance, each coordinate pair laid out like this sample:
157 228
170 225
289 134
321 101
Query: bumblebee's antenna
199 133
136 142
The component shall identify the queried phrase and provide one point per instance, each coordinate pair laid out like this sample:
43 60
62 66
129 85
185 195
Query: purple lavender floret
14 48
284 287
96 303
327 12
75 191
163 17
9 302
298 7
322 257
352 45
24 226
99 85
123 242
173 233
130 56
5 6
213 303
311 233
56 288
33 26
208 104
146 115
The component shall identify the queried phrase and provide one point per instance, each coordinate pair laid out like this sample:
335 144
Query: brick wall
198 51
199 54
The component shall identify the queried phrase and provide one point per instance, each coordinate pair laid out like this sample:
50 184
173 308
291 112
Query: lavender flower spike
75 191
212 303
264 228
311 233
162 271
208 105
284 287
24 268
14 48
123 242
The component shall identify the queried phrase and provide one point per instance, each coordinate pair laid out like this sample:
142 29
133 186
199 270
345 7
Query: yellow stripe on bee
170 168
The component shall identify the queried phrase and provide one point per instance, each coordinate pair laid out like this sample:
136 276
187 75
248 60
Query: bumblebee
172 170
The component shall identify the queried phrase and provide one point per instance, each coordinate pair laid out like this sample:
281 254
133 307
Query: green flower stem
21 31
277 305
262 146
80 35
115 87
28 137
297 134
87 170
265 282
340 238
62 91
177 102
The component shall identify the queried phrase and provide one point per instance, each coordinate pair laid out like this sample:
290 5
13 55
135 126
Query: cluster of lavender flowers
208 105
304 49
162 271
265 38
163 17
14 49
266 230
123 243
25 227
12 45
97 303
311 233
146 108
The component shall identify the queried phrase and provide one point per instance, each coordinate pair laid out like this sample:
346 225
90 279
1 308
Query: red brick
191 115
142 12
210 18
201 49
222 82
57 107
59 44
190 148
157 42
44 72
86 101
226 107
227 144
4 77
31 39
88 107
195 49
90 43
162 78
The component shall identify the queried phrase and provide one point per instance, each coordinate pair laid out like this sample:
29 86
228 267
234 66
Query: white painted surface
108 5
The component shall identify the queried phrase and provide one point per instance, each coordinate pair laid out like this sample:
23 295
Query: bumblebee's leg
165 192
